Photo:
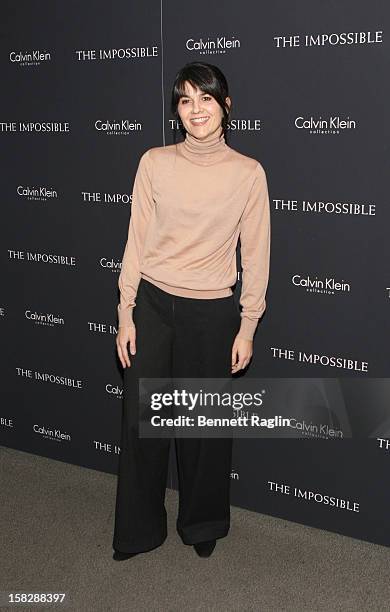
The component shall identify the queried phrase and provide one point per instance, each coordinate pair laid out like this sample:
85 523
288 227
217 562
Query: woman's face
199 112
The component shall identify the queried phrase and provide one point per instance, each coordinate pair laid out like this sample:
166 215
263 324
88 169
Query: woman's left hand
242 352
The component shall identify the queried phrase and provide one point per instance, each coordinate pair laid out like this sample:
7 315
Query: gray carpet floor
56 527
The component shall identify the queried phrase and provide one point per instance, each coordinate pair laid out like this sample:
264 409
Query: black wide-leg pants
176 337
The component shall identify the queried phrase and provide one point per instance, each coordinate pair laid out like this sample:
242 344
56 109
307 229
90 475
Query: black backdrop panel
86 90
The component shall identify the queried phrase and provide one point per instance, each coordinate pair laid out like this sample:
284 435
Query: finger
236 366
128 356
133 348
125 354
234 356
119 351
241 364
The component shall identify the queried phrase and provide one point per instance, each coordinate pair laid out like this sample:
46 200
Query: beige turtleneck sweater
191 202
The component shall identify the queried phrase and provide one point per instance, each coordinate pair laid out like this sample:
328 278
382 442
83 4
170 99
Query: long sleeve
141 208
255 239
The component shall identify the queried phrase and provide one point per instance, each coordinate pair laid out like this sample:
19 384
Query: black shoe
205 549
120 556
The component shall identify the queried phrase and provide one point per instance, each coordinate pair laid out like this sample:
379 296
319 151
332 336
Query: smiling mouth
199 120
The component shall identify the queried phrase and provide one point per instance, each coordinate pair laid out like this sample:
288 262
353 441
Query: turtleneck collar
207 151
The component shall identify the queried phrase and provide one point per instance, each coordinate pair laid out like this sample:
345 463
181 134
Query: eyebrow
203 93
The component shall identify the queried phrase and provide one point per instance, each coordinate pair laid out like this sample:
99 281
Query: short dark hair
207 78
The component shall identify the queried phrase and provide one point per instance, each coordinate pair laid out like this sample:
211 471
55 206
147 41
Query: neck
207 151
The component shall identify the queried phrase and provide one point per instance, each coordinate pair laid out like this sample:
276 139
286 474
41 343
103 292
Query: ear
228 101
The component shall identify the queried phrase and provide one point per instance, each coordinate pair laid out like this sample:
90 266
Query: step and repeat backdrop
85 91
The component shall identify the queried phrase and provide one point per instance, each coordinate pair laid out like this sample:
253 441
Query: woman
191 202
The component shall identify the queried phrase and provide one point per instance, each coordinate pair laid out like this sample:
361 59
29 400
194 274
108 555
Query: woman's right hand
124 336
